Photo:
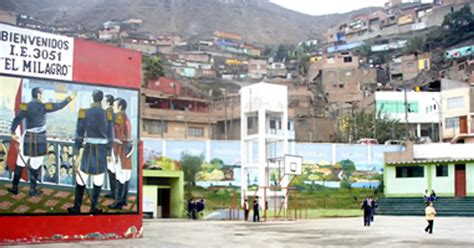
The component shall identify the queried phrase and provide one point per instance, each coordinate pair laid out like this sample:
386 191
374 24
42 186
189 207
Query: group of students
429 197
256 210
195 207
369 205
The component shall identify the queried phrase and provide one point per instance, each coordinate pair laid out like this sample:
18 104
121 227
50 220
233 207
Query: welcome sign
32 53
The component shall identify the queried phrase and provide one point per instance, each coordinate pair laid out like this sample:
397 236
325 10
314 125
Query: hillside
257 20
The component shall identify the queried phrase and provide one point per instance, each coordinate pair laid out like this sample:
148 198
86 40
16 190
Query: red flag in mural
13 151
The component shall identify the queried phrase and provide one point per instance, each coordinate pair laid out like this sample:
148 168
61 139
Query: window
452 122
391 107
196 131
251 122
272 124
441 170
155 126
411 171
348 59
455 102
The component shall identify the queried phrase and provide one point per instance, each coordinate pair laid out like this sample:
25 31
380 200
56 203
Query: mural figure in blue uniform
33 145
94 135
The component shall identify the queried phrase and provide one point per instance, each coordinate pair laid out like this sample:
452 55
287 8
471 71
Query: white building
266 105
423 111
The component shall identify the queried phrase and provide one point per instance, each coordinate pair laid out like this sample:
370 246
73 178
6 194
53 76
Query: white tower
264 123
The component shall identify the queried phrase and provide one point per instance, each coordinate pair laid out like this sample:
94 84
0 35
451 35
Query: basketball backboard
293 164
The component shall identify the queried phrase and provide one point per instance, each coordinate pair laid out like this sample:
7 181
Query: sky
322 7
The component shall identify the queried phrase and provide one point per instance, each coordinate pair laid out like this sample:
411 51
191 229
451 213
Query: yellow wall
423 64
405 19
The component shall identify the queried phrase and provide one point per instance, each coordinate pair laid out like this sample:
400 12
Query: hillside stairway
445 206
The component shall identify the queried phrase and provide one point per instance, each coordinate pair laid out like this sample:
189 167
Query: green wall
415 187
174 180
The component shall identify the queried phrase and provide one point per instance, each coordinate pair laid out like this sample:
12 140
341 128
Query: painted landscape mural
328 165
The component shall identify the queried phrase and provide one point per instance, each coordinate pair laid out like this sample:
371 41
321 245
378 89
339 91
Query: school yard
386 231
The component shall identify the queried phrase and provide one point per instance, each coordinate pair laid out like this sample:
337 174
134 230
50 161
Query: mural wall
328 165
59 147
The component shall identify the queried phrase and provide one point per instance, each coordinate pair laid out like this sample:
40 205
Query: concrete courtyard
385 232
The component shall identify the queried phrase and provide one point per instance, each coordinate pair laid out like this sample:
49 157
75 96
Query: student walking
246 210
367 207
374 206
256 210
430 213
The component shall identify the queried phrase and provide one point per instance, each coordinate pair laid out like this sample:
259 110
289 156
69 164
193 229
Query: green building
446 168
163 193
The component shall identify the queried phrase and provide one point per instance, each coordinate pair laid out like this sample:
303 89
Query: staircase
445 206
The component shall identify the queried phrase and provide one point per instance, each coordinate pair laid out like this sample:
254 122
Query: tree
348 167
281 53
285 52
217 162
364 51
460 21
304 65
415 44
191 166
153 67
363 124
268 52
457 27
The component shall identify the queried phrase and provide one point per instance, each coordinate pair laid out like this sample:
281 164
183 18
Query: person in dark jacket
200 206
367 207
374 206
433 195
256 210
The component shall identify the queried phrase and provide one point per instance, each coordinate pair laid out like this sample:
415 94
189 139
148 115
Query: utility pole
440 121
406 109
225 114
232 115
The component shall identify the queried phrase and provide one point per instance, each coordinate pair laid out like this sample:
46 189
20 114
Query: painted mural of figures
93 134
123 149
34 144
108 105
3 158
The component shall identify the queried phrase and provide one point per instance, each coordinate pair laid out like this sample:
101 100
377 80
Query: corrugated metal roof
431 161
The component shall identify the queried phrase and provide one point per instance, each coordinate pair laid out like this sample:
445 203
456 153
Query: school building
163 193
444 167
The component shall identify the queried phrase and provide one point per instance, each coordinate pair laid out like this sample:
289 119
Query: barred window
196 131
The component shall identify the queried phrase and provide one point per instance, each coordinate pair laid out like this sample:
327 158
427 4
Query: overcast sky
321 7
